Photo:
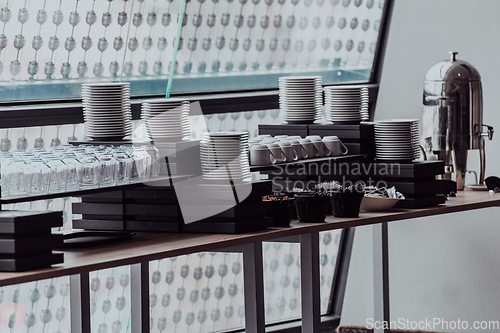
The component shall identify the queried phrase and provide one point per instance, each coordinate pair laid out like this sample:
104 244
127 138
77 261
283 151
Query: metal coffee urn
452 121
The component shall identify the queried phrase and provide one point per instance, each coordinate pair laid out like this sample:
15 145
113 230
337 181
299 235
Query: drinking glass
59 174
37 176
155 159
91 170
125 164
109 170
75 171
142 164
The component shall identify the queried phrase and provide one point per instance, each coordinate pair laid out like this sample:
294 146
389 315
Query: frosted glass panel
248 44
48 48
110 300
39 306
204 292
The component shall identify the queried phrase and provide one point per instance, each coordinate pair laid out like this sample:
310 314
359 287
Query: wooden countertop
465 200
152 246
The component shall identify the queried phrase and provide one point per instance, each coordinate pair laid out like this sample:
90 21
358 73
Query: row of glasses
69 168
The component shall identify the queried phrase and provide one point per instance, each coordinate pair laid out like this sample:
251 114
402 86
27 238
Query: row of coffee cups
266 149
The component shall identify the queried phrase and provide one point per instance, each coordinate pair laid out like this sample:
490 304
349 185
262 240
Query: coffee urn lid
453 70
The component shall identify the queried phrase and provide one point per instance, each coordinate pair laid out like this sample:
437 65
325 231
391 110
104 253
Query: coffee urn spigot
453 116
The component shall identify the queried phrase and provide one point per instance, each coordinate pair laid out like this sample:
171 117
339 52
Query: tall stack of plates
166 119
224 155
397 140
300 98
346 104
106 110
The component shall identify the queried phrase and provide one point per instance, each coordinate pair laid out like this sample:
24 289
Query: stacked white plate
224 155
397 140
300 98
346 104
106 110
166 119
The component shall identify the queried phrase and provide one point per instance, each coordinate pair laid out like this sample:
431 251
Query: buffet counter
145 247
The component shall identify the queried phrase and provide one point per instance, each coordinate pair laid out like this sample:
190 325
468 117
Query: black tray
92 238
227 228
104 197
30 262
389 170
96 224
421 202
241 210
116 209
22 222
160 226
284 129
30 244
363 131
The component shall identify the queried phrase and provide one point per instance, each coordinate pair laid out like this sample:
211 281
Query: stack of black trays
146 208
157 208
26 240
416 181
359 139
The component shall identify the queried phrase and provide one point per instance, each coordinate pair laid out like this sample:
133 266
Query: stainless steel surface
453 114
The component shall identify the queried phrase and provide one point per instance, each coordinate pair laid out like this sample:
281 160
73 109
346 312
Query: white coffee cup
290 153
260 155
263 136
281 137
335 145
323 150
309 146
276 152
267 141
299 149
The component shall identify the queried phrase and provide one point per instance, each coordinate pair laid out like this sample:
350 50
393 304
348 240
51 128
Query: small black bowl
282 211
311 207
346 204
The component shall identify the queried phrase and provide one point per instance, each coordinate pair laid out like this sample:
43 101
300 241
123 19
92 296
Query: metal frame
341 270
378 61
79 298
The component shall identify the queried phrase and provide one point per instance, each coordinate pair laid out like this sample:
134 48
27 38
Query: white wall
447 266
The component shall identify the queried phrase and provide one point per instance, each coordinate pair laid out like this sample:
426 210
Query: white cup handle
283 158
316 150
272 157
295 155
346 150
328 152
305 154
